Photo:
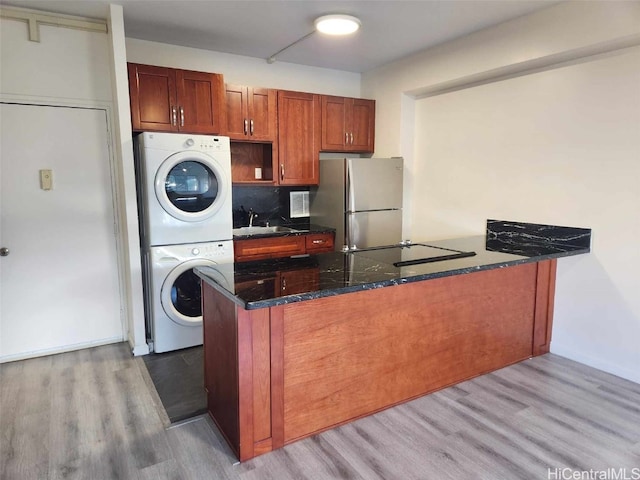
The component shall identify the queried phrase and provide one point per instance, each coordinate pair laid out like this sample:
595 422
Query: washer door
181 294
190 186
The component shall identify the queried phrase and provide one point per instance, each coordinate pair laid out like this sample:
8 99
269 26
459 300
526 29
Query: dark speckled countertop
298 230
268 283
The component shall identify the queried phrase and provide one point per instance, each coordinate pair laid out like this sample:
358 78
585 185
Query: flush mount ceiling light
328 24
337 24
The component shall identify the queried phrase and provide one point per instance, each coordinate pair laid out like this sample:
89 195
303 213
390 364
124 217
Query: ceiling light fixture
329 24
337 24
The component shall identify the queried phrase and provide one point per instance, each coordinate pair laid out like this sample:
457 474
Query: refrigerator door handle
349 198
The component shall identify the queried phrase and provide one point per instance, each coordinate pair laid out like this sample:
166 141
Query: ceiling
391 29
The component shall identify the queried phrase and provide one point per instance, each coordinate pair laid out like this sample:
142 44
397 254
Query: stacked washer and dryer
184 198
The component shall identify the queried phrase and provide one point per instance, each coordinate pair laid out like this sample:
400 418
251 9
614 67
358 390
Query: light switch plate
46 179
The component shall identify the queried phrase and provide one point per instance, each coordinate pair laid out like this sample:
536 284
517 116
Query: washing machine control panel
206 144
176 142
218 252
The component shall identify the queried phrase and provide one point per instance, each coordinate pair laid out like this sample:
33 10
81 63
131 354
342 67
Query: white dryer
174 310
184 188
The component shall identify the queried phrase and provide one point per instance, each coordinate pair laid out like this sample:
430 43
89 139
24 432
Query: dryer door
191 186
181 294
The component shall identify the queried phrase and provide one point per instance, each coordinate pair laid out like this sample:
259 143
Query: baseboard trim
52 351
142 349
632 375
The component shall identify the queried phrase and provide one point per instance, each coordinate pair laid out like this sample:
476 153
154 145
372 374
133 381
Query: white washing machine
184 188
174 310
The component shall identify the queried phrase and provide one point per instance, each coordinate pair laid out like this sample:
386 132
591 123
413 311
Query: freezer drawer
374 184
374 229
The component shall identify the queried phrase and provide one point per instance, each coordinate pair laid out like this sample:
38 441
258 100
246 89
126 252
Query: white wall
563 148
65 64
246 70
559 144
126 184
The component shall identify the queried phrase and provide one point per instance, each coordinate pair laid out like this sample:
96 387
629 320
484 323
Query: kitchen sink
262 230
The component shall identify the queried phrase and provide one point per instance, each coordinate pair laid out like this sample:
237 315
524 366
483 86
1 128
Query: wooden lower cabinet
286 246
319 242
279 374
293 282
270 247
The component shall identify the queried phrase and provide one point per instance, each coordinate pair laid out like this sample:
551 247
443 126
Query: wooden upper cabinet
362 122
251 113
298 138
334 127
170 100
200 101
348 124
153 98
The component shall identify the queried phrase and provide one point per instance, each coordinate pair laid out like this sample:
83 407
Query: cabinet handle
245 126
282 171
346 138
351 138
174 116
284 284
316 242
181 117
251 129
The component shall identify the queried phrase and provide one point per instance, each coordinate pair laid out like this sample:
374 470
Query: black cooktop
402 255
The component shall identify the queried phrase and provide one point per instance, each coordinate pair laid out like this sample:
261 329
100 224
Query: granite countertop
297 230
259 284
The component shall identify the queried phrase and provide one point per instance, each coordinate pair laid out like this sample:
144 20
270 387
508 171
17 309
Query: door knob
4 251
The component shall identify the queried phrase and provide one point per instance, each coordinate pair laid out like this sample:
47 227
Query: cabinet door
201 102
237 126
334 129
153 98
362 125
262 114
298 138
348 124
319 242
294 282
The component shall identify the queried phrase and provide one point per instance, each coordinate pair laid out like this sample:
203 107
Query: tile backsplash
270 203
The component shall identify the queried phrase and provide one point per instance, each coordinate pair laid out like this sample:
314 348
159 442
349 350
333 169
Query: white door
59 286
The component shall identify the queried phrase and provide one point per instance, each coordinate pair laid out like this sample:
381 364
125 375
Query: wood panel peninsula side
369 332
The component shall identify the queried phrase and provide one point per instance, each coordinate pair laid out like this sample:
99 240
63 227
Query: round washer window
186 294
180 294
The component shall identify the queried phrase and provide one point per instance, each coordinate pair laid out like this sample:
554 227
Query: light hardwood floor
93 414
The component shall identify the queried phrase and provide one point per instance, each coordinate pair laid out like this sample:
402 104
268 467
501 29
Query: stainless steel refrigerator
362 199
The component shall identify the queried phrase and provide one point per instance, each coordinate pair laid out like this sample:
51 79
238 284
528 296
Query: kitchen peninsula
300 345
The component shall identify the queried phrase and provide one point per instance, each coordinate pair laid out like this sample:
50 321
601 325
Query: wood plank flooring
94 414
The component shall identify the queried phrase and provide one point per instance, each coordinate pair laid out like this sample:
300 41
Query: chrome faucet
252 215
